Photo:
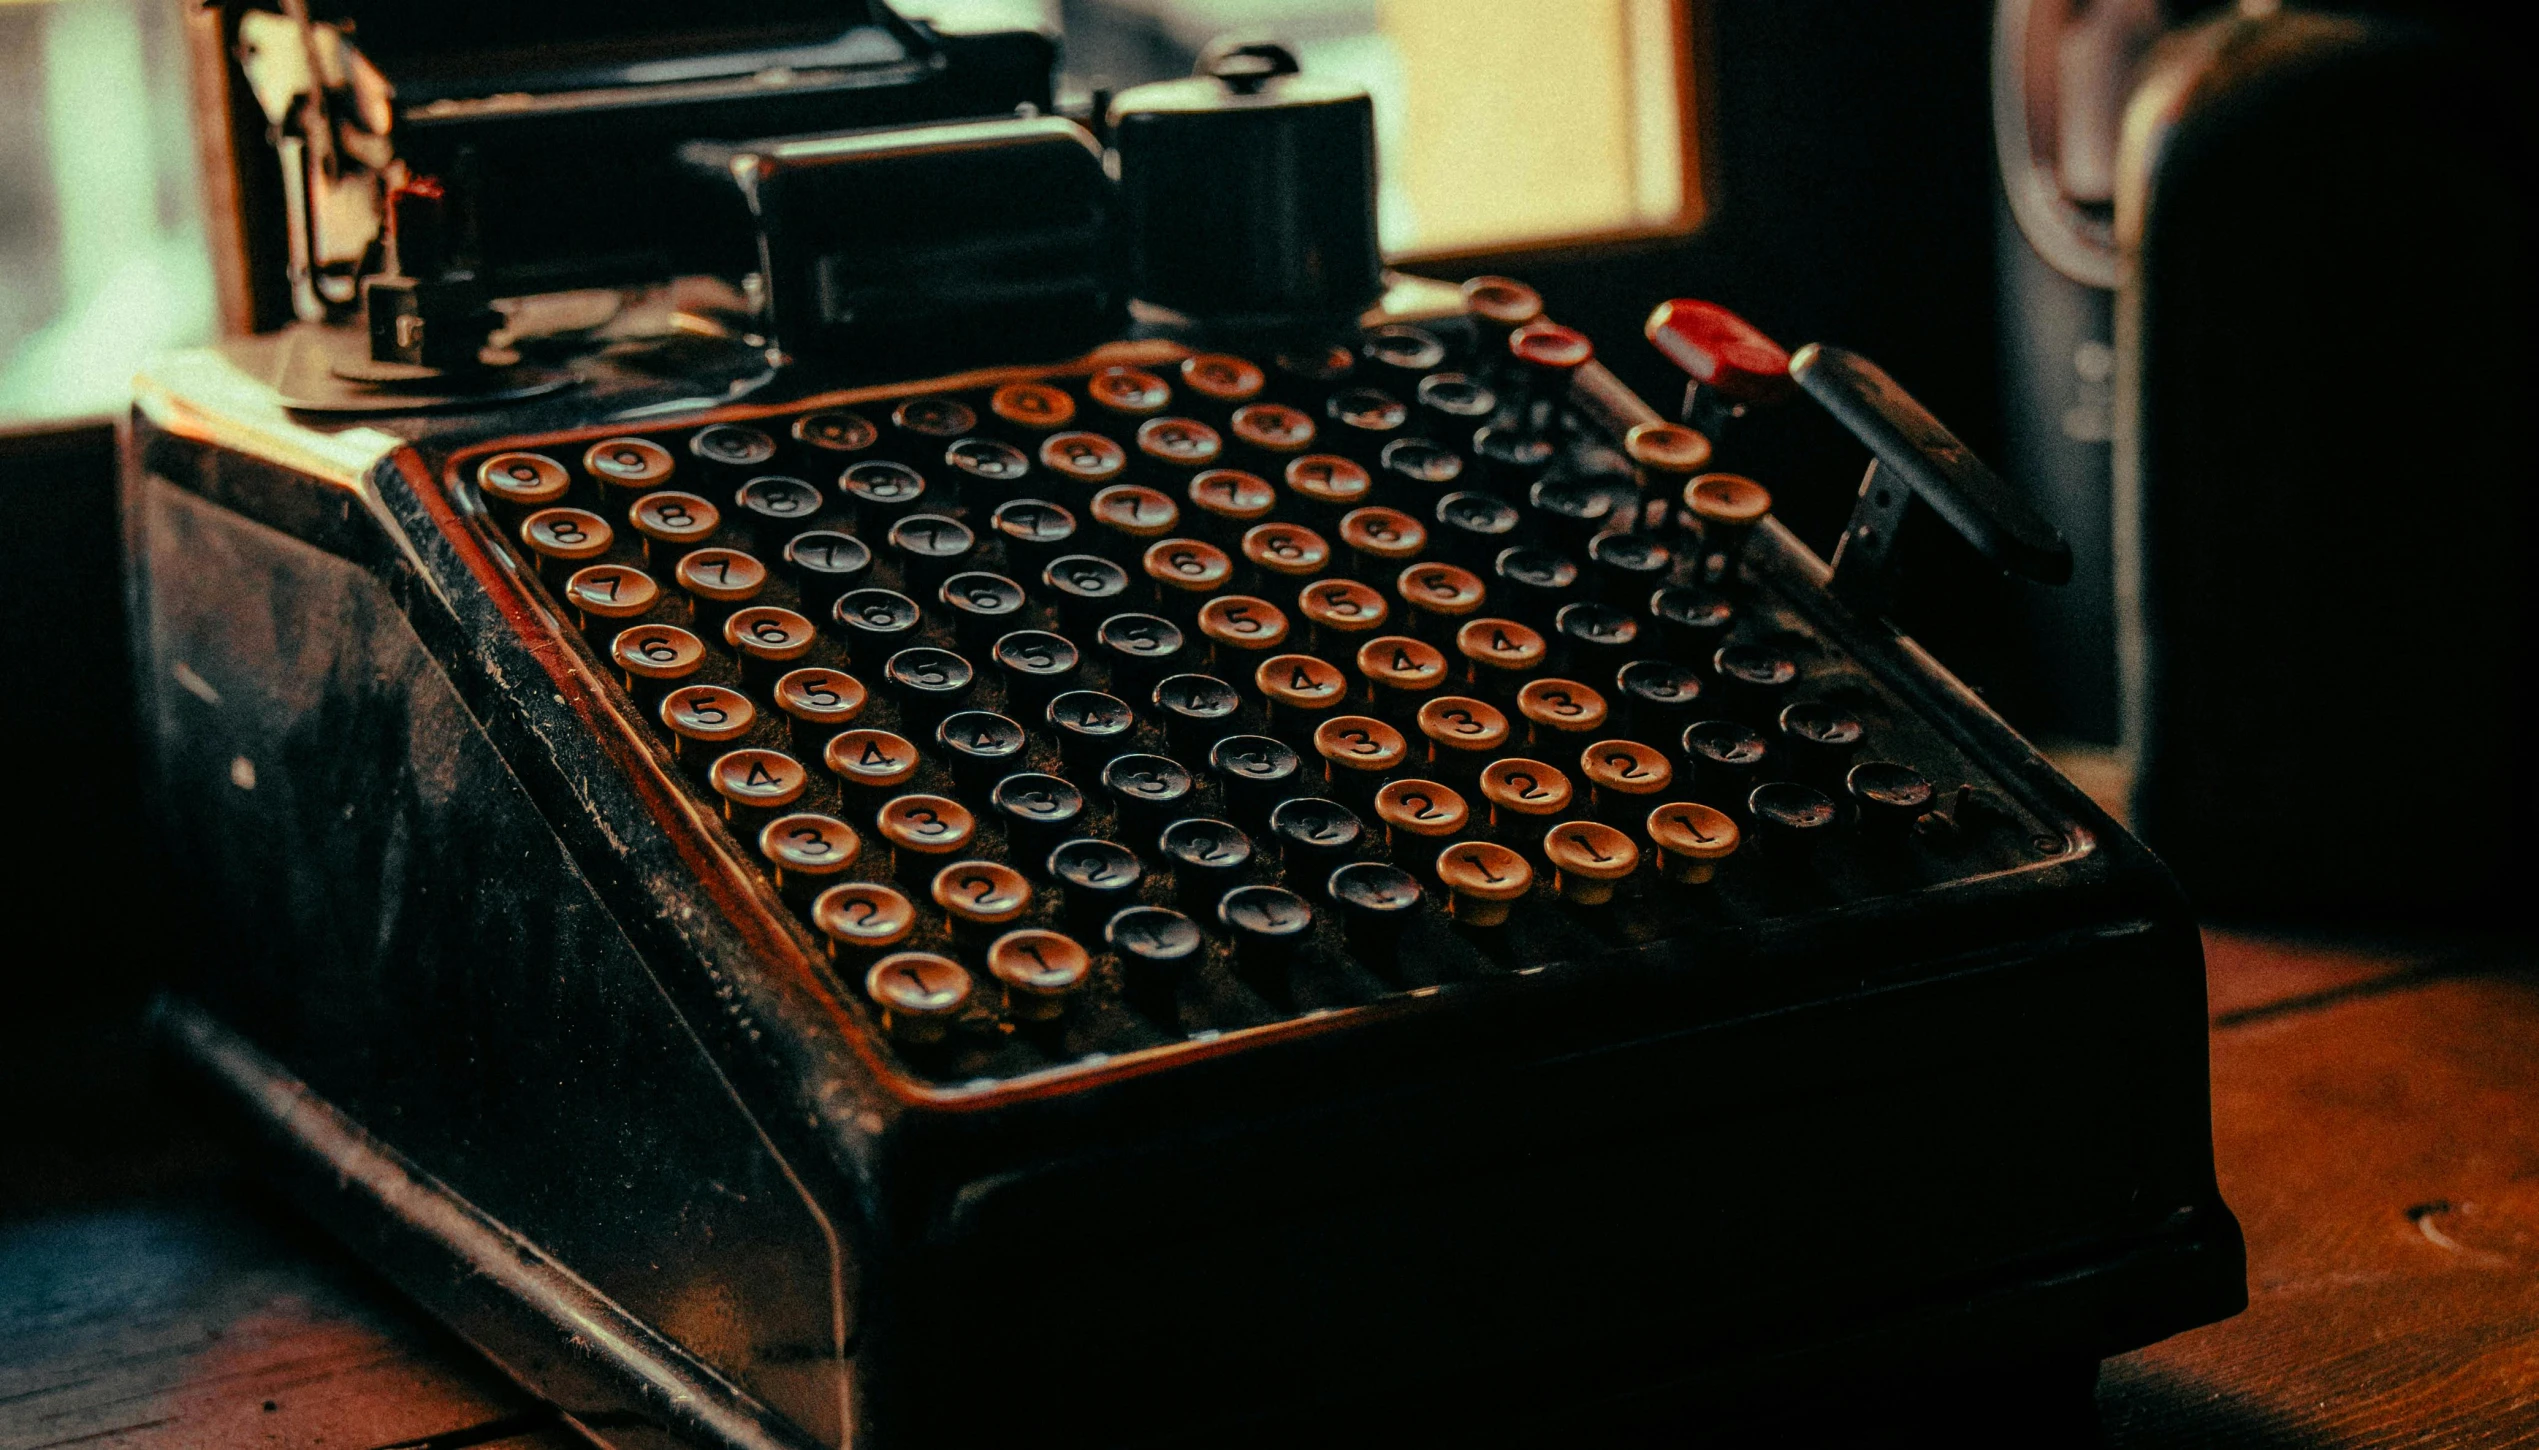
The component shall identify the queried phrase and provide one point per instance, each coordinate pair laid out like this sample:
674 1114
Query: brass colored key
1339 610
1130 391
1273 428
1440 596
920 995
1086 458
1041 971
656 655
1419 809
531 480
808 851
1482 879
565 536
706 714
1521 791
1462 733
1356 751
1400 670
871 760
1299 688
1221 377
628 462
752 780
1691 839
1243 623
1624 778
1589 860
1284 550
861 918
923 830
1032 405
1498 653
1555 708
1179 442
611 592
979 896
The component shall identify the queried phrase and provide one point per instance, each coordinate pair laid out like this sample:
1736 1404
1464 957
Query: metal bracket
1865 560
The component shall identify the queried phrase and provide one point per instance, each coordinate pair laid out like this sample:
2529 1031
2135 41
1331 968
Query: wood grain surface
2376 1121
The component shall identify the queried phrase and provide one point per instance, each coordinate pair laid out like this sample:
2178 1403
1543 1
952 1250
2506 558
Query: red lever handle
1720 350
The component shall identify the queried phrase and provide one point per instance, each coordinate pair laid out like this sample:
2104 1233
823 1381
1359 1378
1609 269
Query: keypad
1091 712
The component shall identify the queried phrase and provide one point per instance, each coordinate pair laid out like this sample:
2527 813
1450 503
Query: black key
987 470
1089 588
1793 819
1754 677
921 427
1266 925
1039 811
1376 902
1628 568
881 493
1257 772
1315 836
1570 511
1208 858
1036 665
876 621
1510 461
838 434
1454 406
1310 371
1591 638
1140 648
1473 527
1197 711
772 498
1365 416
1157 947
1095 879
1533 582
930 547
928 683
1399 353
1820 735
825 564
732 446
1091 728
1412 470
1892 797
984 607
1693 623
981 746
1725 757
1657 697
1148 790
1035 531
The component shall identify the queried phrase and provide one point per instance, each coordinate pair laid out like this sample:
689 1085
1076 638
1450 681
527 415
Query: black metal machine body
1790 1020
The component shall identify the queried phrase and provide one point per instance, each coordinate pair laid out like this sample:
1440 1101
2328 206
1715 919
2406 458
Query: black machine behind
1313 856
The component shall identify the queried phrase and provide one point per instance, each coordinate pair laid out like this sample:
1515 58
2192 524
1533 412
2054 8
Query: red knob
1720 349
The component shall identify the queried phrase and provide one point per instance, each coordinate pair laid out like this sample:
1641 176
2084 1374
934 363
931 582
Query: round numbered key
1320 366
1691 839
1041 971
1131 391
1461 730
1242 622
1892 797
1222 377
927 681
1624 775
875 620
1140 513
1725 754
821 698
1550 346
988 460
1038 810
981 746
1377 903
710 714
732 445
1727 500
1035 663
981 893
1483 879
769 634
1035 406
931 544
1667 450
672 517
984 606
1233 495
873 759
1445 591
1087 586
1266 924
1343 606
1359 746
657 652
1474 526
1499 648
920 995
568 535
1329 480
1757 667
1820 732
779 498
628 462
1404 348
1314 835
1563 706
1187 566
1589 859
1257 771
1420 462
1197 711
935 418
755 779
725 576
1034 530
1273 427
1793 818
1657 692
930 825
1156 945
1383 535
862 917
531 480
1456 403
1091 726
1399 664
1087 458
824 559
1515 786
1179 442
1290 550
807 849
1367 411
836 431
882 490
1300 682
611 591
1423 808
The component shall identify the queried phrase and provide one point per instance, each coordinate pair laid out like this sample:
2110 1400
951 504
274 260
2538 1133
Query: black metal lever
1916 451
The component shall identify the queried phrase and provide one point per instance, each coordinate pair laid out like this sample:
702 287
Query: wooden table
2376 1109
